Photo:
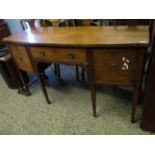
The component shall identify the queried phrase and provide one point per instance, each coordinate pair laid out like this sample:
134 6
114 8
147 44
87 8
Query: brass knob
114 67
71 56
42 53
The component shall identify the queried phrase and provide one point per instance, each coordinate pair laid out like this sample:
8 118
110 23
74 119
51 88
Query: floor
70 111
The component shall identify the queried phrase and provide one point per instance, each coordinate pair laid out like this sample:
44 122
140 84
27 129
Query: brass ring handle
42 53
71 56
114 67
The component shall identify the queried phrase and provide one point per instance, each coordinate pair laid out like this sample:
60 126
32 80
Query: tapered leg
77 73
93 97
134 104
42 84
90 72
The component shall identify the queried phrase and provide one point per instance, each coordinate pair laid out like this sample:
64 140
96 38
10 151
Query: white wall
14 25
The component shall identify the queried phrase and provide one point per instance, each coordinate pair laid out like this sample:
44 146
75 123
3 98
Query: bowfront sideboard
111 55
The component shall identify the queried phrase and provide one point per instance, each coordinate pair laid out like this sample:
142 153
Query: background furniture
130 22
4 32
148 116
7 66
10 74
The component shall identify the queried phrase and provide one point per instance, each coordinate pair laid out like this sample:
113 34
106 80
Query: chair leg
55 69
83 74
77 73
134 104
25 89
58 71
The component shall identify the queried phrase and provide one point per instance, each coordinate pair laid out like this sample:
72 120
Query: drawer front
21 57
65 55
115 66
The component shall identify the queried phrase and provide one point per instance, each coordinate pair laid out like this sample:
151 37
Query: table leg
90 73
93 98
137 81
42 84
134 103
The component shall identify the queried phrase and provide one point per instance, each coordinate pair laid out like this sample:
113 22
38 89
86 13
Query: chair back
59 22
83 22
67 22
51 22
31 23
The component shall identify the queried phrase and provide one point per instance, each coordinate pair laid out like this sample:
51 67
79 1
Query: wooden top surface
84 36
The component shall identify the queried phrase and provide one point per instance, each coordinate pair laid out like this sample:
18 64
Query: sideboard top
83 36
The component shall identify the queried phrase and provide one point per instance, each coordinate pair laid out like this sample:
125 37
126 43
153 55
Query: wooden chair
51 22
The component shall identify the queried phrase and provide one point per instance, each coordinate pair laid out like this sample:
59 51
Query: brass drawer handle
71 56
42 53
114 67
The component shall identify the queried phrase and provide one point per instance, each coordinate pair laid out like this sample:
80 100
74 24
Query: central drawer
65 55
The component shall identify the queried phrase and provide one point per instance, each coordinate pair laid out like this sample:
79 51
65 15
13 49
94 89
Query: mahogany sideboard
111 55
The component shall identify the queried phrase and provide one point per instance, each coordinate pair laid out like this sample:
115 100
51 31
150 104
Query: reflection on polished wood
110 54
84 36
